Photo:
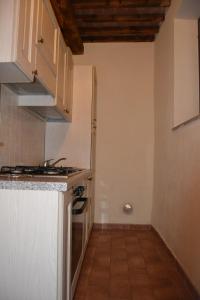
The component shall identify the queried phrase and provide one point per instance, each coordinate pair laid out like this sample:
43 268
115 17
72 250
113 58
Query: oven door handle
80 210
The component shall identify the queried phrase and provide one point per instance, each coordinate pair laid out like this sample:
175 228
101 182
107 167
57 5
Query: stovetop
38 170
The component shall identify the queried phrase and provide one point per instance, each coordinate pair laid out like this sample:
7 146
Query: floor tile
139 293
120 289
129 265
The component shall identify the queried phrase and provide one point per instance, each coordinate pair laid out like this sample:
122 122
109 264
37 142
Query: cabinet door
60 85
68 93
25 57
93 122
46 45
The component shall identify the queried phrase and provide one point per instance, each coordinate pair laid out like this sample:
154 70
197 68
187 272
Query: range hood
43 106
33 97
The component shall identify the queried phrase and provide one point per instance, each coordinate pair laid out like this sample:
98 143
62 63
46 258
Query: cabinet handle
41 41
35 72
67 111
90 178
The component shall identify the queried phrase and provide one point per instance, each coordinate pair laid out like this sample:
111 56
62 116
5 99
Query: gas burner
54 171
38 170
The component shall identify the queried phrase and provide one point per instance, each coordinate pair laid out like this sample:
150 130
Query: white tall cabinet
76 141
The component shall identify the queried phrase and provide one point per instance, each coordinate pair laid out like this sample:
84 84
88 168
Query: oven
78 234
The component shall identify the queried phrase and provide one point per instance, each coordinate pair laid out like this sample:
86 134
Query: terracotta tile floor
129 265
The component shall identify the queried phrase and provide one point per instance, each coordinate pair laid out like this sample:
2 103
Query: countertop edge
59 184
33 185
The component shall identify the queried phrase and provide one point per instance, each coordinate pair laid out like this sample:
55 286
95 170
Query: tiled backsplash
22 135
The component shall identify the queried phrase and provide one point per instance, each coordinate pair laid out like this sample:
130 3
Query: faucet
48 164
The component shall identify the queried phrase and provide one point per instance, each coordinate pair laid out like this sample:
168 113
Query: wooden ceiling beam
109 20
79 4
129 18
118 31
119 11
119 24
68 25
127 38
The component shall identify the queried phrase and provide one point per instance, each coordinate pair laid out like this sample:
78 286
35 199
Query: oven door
78 237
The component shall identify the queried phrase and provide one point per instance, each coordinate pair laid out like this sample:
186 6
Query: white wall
125 129
176 207
21 134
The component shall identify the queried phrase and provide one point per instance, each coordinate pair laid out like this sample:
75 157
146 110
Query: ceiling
84 21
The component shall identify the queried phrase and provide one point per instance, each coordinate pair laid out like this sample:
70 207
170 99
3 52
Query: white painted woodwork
68 84
73 140
26 36
46 45
88 223
60 84
31 44
58 107
64 83
17 57
33 245
77 140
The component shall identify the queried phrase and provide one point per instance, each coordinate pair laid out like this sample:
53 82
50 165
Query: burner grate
38 170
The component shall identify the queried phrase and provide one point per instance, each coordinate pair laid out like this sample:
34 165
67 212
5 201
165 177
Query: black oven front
79 206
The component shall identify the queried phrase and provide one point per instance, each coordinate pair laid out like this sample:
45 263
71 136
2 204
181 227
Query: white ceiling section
190 9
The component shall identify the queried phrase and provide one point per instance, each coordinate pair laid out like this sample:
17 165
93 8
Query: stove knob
78 191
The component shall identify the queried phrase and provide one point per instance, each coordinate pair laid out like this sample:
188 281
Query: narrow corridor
130 265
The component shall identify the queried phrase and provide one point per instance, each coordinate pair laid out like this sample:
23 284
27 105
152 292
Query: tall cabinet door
68 94
27 23
93 145
46 45
93 120
60 86
64 79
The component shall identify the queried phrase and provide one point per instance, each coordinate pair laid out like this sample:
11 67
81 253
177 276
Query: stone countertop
43 183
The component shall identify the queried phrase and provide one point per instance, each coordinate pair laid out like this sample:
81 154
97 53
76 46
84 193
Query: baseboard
187 280
113 226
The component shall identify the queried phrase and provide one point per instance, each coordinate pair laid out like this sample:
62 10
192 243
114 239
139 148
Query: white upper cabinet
64 79
25 57
17 51
61 67
46 46
68 84
32 47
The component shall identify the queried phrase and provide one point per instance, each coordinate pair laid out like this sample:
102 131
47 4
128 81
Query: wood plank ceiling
84 21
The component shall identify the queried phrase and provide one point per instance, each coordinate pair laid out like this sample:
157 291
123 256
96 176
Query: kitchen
139 158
